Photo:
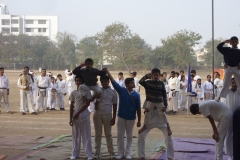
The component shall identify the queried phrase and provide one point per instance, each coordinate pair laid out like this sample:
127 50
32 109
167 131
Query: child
80 119
69 81
104 118
208 89
217 84
53 93
129 105
231 58
199 89
120 79
174 85
158 98
183 92
62 91
192 100
219 112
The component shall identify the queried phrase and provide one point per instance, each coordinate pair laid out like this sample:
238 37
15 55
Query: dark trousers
236 134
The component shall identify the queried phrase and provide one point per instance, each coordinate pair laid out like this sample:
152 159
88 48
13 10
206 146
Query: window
14 21
5 30
14 29
29 21
41 21
41 29
29 29
5 22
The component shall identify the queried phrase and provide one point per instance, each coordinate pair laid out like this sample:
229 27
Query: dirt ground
55 123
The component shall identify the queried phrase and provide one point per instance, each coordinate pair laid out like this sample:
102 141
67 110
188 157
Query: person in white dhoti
209 92
218 84
4 91
53 89
80 119
183 93
232 101
219 112
69 81
199 89
25 84
62 91
43 82
174 86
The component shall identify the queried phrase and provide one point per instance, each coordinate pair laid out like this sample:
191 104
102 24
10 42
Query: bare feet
142 129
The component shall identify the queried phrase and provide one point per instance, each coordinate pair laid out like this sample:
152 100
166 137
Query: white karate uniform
208 90
43 82
70 82
174 86
4 86
219 84
81 129
53 95
137 85
200 93
62 89
35 90
26 97
183 96
232 101
196 77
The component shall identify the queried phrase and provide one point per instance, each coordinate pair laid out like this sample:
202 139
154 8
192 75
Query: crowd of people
216 99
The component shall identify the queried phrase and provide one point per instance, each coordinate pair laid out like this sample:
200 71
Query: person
199 89
218 84
89 75
104 117
231 56
43 82
194 73
80 119
4 91
192 99
120 79
181 74
53 89
129 105
219 112
232 101
209 91
174 86
136 80
155 97
69 81
34 87
236 133
177 74
62 91
165 80
183 92
25 84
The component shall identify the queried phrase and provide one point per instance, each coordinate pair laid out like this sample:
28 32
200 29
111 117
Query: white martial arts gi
42 84
199 89
219 84
70 82
26 97
174 86
62 89
208 90
4 87
156 122
183 96
221 114
81 129
53 95
196 77
232 101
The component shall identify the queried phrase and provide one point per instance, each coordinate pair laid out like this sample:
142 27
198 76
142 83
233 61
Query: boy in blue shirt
129 105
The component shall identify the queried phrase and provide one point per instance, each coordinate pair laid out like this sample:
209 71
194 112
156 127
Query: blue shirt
128 103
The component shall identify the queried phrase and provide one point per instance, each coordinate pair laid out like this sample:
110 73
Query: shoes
128 157
47 108
10 112
119 157
34 113
62 109
52 109
96 155
23 113
73 157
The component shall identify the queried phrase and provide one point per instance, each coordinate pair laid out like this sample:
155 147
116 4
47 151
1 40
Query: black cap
1 67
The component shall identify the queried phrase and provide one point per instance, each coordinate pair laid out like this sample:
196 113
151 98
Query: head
44 72
176 74
120 75
24 72
234 41
52 79
208 78
134 74
173 74
161 77
193 72
194 109
233 84
50 74
129 83
181 72
199 81
164 74
89 63
131 75
104 81
79 80
26 68
59 77
192 77
155 74
1 71
182 78
216 75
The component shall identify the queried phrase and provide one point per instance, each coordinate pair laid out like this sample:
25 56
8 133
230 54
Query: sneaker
23 113
10 112
73 157
119 157
63 109
47 108
128 157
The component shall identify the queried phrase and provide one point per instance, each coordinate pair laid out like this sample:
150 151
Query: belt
44 90
3 88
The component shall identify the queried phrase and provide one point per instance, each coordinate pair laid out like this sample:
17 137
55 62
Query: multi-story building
28 24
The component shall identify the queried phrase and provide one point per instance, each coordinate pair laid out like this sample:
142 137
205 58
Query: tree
218 57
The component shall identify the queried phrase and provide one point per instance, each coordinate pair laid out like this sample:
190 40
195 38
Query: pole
213 43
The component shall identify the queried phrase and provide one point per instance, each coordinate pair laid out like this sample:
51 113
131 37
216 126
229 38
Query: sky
153 20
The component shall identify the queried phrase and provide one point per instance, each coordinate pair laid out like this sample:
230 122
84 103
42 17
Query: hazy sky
151 19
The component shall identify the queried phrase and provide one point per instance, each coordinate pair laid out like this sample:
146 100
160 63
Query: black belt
44 90
3 88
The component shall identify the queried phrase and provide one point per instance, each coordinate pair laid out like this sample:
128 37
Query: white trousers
60 99
183 100
173 104
168 141
26 100
124 126
222 128
3 94
208 95
81 131
70 89
96 90
41 100
228 143
34 91
48 98
227 79
52 100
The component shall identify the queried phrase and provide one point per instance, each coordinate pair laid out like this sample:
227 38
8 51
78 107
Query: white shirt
196 77
218 82
62 86
174 83
108 98
233 99
214 108
136 81
4 82
121 82
179 78
200 91
208 86
43 81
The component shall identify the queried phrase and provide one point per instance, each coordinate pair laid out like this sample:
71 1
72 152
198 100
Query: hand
225 66
71 123
82 64
216 137
76 116
7 92
112 122
169 99
227 41
149 75
164 109
65 94
104 69
201 99
138 124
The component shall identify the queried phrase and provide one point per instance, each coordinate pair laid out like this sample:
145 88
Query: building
28 24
